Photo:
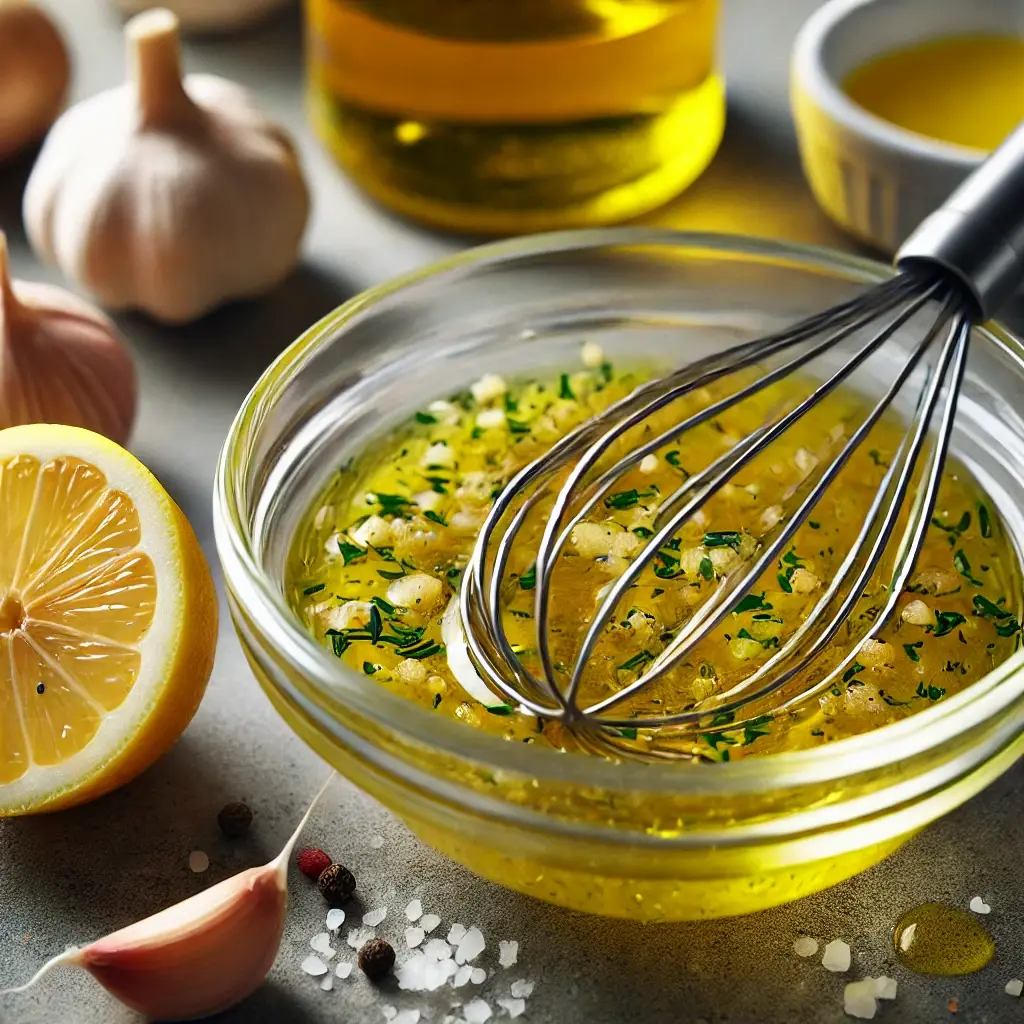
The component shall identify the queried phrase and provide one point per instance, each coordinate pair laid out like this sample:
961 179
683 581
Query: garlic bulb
210 15
61 361
202 955
165 195
34 74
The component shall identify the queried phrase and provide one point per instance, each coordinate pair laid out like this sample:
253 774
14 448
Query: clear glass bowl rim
267 610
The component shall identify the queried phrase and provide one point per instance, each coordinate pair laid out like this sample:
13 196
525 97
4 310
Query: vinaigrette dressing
381 555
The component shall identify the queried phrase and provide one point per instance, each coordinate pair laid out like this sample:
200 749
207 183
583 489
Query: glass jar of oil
509 116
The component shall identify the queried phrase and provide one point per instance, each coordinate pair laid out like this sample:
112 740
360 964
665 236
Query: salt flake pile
433 963
860 998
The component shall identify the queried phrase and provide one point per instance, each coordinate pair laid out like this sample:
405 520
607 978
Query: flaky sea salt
327 984
804 945
407 1017
470 946
479 976
376 841
413 937
513 1007
837 956
885 988
358 936
462 976
979 906
314 965
198 861
1014 987
335 919
321 942
374 917
414 911
859 999
508 953
477 1012
437 949
428 922
421 973
456 933
522 989
343 970
390 1012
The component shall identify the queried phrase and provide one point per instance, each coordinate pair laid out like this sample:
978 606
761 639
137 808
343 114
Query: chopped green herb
511 405
964 568
723 539
657 592
813 525
392 502
853 670
564 387
707 670
437 700
707 569
315 589
984 520
519 614
953 532
529 579
892 701
350 552
666 572
946 622
435 517
642 531
500 709
1008 628
784 582
438 484
628 733
623 499
983 606
753 602
641 658
428 650
876 458
385 575
425 417
931 692
755 729
516 426
912 649
716 739
672 458
376 624
387 554
369 668
453 573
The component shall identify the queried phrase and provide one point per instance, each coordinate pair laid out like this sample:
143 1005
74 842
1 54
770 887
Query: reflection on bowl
632 840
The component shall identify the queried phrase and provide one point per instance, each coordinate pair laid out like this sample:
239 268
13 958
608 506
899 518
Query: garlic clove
167 195
161 966
61 360
213 16
34 74
202 955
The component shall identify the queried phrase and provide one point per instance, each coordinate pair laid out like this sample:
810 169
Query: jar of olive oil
508 116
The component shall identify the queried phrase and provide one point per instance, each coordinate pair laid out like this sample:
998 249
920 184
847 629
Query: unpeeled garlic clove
34 73
61 361
167 195
202 955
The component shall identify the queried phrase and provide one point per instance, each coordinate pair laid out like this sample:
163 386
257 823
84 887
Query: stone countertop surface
73 876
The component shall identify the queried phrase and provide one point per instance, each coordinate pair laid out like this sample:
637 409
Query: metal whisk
964 261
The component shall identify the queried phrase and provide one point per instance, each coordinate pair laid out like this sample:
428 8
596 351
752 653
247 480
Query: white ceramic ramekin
874 179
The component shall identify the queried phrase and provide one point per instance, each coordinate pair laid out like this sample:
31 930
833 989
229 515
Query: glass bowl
655 842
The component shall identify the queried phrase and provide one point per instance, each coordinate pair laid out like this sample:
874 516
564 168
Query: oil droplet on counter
936 938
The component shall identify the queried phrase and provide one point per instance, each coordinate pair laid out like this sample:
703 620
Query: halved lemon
108 618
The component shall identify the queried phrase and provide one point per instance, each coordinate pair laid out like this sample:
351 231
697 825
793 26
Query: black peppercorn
376 958
336 884
234 819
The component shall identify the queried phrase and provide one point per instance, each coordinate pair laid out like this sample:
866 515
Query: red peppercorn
313 862
376 958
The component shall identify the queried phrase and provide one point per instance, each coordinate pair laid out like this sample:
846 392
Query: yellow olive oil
382 553
936 938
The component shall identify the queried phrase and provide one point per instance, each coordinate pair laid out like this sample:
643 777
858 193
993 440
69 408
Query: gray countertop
71 877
